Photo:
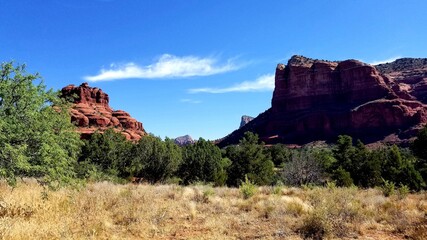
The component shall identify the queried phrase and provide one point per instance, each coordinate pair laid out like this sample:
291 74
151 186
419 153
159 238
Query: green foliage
247 188
155 160
419 148
342 177
36 139
202 161
249 159
106 156
277 189
399 166
388 188
344 152
222 175
368 168
208 192
403 191
279 154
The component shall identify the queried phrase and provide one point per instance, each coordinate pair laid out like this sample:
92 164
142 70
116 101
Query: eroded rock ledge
91 112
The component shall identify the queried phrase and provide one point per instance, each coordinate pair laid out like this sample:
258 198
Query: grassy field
109 211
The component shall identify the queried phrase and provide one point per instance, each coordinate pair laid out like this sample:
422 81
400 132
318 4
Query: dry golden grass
109 211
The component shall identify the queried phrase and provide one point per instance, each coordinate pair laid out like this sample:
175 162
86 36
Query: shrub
277 189
403 191
303 169
388 188
247 188
315 226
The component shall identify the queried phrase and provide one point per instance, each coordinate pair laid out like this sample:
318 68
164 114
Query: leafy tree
324 157
36 136
398 166
248 159
279 154
342 177
369 168
106 155
155 160
202 161
419 148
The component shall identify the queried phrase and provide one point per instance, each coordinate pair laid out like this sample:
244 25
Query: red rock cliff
318 100
91 112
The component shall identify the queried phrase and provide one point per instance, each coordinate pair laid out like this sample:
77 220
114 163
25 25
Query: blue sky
195 67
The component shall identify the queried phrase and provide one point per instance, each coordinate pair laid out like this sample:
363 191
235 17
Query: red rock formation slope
409 76
90 112
318 100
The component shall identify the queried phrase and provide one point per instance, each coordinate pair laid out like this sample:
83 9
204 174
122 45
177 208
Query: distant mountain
245 119
184 140
402 65
318 100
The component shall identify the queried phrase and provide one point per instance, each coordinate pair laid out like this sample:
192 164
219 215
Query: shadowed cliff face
318 100
91 112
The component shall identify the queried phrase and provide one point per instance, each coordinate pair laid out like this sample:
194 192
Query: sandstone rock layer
318 100
91 112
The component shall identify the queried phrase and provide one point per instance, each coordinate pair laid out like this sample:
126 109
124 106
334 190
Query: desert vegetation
55 185
104 210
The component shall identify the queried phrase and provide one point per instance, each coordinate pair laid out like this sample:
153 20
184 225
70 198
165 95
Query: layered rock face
91 112
318 100
409 76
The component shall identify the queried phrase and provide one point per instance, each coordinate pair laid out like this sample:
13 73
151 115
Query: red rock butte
319 100
91 112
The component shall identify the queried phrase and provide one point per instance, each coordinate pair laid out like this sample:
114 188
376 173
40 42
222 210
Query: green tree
398 166
248 159
366 168
279 154
106 155
342 177
36 136
419 148
202 161
344 152
155 160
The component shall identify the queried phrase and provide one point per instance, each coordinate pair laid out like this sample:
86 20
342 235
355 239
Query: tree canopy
36 136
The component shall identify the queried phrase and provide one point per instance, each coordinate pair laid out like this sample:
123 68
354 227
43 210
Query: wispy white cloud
187 100
385 60
263 83
167 66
